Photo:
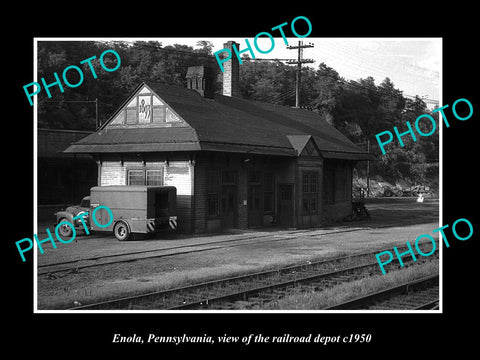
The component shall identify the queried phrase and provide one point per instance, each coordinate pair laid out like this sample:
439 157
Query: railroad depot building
235 163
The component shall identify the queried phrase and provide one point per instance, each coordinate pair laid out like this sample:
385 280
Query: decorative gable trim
144 108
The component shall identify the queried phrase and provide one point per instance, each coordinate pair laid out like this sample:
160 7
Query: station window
154 177
136 177
310 192
145 177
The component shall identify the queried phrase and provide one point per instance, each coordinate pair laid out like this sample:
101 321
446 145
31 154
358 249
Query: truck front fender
64 215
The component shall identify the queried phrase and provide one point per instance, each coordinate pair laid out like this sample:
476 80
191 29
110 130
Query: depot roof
221 123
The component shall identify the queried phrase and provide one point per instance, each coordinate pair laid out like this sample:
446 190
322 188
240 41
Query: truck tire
121 230
65 231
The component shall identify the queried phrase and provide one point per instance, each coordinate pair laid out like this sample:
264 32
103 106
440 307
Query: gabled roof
299 142
221 124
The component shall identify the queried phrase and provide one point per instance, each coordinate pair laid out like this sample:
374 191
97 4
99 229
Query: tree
271 82
205 47
358 108
328 88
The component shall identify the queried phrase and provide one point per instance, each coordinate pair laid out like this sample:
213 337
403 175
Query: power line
283 96
357 85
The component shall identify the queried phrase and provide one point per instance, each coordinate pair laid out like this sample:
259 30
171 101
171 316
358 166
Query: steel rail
431 305
362 301
191 288
194 295
276 286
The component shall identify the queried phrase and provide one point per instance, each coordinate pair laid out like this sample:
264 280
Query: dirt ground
393 222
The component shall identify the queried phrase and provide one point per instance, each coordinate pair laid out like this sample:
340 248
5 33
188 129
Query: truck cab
71 212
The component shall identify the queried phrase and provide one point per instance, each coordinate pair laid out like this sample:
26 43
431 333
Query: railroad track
55 269
420 294
251 289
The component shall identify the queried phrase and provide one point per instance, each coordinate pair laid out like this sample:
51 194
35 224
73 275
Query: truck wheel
65 230
121 231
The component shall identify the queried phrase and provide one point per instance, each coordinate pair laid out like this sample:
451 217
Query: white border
35 204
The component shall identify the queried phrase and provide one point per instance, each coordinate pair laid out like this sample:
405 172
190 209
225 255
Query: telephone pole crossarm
299 63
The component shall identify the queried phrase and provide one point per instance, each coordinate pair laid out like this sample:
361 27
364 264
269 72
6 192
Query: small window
313 183
306 188
154 177
212 205
286 193
136 177
85 202
310 192
149 177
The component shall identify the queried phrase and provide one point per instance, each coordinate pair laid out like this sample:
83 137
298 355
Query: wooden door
285 205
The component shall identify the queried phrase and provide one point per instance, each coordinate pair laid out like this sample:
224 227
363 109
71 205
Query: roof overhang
347 155
131 148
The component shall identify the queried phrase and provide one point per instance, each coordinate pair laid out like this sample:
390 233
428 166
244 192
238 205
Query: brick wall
342 206
231 79
282 168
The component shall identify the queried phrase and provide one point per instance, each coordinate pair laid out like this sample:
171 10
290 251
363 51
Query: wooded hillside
358 108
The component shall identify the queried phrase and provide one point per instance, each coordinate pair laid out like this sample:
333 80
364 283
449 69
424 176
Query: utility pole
368 170
299 63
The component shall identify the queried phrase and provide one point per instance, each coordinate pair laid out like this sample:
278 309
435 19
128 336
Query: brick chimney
231 79
200 79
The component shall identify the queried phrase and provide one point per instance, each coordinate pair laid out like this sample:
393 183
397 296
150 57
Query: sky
413 64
